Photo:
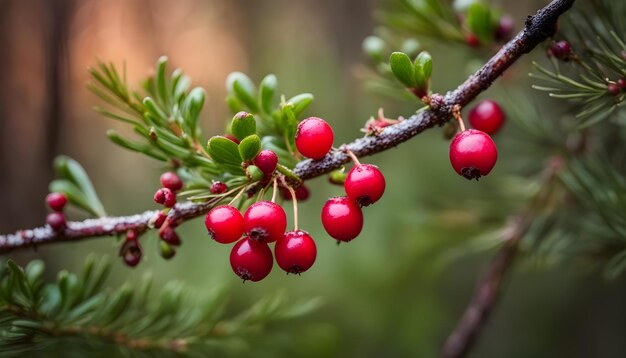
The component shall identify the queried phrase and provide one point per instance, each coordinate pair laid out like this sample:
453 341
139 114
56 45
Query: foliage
132 318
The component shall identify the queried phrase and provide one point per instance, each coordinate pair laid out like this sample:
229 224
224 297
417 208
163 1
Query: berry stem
295 207
243 189
352 156
456 112
274 190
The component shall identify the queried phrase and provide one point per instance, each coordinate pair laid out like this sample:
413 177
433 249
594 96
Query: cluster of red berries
56 219
615 88
472 152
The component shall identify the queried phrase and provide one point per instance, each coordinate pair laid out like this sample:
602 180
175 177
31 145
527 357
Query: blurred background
398 289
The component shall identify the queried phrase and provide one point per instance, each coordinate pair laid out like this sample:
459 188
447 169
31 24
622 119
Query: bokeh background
398 289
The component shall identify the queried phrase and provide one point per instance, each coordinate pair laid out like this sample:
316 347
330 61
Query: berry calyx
486 116
267 161
365 184
171 181
296 252
302 193
218 188
165 197
561 50
56 220
473 154
56 201
314 138
169 235
224 223
265 221
342 218
251 260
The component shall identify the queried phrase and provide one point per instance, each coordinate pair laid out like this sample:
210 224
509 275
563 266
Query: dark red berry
171 181
169 235
296 252
56 220
160 219
505 28
473 154
265 221
224 223
131 252
561 50
251 260
302 193
613 89
165 197
342 218
365 184
314 138
56 201
486 116
218 188
472 40
622 83
267 161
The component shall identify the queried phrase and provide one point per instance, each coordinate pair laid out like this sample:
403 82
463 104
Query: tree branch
538 28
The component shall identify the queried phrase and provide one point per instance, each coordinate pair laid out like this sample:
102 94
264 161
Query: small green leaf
224 151
402 68
161 81
134 146
241 86
254 173
250 147
267 89
233 103
243 125
193 105
423 70
479 22
71 170
300 102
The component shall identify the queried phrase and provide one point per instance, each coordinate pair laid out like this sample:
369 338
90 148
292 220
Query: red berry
169 235
267 161
218 187
473 154
342 218
613 89
365 184
56 201
622 83
302 193
486 116
171 181
160 219
314 138
131 252
132 235
265 221
561 50
296 252
472 40
505 28
224 223
56 221
165 197
251 260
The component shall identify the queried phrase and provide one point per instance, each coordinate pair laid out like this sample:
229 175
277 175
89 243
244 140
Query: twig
538 28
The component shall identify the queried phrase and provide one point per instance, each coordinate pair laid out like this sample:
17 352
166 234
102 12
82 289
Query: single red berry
342 218
302 193
613 89
169 235
224 223
218 188
232 138
165 197
505 28
267 161
486 116
314 138
296 252
561 50
472 40
131 252
56 220
251 260
473 154
622 83
56 201
365 184
160 219
265 221
171 181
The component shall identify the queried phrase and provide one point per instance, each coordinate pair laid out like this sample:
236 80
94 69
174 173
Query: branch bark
538 28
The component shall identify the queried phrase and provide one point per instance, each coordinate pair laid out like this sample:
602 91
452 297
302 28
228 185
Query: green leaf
71 170
300 103
479 22
134 146
161 81
233 103
224 151
243 125
193 105
254 173
267 89
402 68
241 86
250 147
423 69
